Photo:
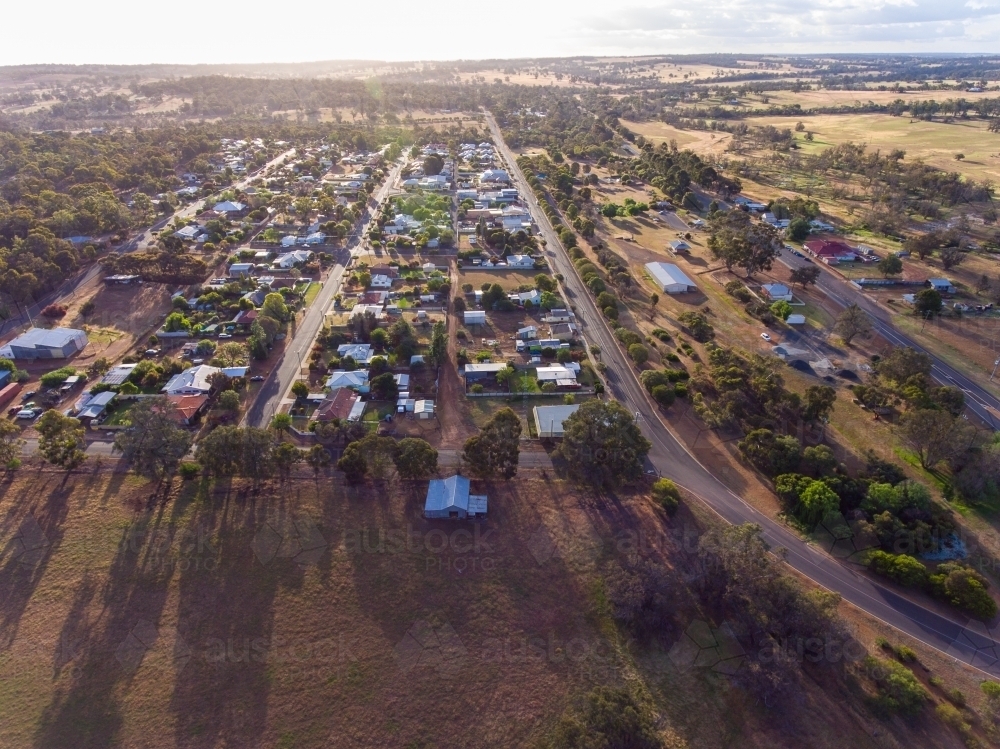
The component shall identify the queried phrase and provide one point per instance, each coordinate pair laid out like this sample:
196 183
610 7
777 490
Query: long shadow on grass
34 530
226 614
86 712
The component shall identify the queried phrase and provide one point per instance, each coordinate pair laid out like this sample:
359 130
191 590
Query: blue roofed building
450 499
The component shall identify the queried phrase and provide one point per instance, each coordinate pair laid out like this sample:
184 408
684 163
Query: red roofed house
384 270
831 251
245 317
187 408
337 405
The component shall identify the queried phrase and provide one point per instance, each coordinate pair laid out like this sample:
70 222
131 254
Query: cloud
120 31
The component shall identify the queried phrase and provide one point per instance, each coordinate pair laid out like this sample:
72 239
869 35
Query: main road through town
964 639
276 386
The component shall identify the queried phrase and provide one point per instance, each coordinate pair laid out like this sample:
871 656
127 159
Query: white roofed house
380 282
777 292
361 353
356 380
291 259
189 232
450 499
521 297
193 381
670 278
520 261
229 206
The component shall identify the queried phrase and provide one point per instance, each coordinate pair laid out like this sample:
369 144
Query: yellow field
936 143
810 99
701 141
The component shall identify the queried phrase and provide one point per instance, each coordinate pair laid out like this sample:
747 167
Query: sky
195 31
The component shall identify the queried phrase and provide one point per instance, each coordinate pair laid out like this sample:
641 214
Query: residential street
296 352
964 639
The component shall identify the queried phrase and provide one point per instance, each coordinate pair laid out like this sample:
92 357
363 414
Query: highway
278 383
955 635
980 401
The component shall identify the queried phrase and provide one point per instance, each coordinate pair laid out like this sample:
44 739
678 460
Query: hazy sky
189 31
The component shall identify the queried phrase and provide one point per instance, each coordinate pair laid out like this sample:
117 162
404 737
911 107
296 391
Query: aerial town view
624 382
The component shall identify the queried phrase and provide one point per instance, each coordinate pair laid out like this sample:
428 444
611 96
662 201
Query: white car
765 336
26 413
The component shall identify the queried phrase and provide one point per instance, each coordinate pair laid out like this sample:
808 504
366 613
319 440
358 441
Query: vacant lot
508 279
936 143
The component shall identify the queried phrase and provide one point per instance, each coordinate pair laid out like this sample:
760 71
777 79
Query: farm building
549 419
796 320
527 333
475 371
942 285
423 409
474 317
450 498
670 278
42 343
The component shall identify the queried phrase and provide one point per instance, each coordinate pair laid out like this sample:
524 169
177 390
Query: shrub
54 311
638 353
905 654
952 716
681 390
991 689
627 337
899 690
901 568
477 388
57 376
188 470
666 494
664 395
661 334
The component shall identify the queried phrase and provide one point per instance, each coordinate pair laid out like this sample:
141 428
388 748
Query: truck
7 393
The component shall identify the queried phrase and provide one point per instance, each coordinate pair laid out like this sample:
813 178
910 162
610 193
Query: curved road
964 639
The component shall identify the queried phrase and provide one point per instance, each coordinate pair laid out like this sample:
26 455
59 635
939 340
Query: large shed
450 499
43 343
670 278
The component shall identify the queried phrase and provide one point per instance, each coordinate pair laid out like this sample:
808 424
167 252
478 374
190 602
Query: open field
936 142
700 141
291 617
508 279
836 97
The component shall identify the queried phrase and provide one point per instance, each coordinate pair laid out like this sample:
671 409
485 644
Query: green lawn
312 292
525 382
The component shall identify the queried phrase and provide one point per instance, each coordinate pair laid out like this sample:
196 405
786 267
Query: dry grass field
296 616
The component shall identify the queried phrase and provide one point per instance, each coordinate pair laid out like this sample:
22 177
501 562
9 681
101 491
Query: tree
439 344
770 453
851 323
819 400
176 322
951 257
281 422
10 444
274 307
798 229
983 284
654 299
300 389
229 400
494 451
936 436
927 302
638 353
231 354
602 442
220 451
890 265
781 309
383 387
153 443
285 456
61 440
666 495
804 276
371 456
816 501
318 458
902 363
415 458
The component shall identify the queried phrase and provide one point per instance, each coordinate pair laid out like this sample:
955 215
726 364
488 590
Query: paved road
979 400
277 384
143 239
955 635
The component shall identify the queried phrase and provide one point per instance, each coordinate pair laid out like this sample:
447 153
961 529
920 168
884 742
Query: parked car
29 394
26 413
257 378
225 335
765 336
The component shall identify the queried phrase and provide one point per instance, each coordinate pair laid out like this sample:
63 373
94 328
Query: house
777 292
495 175
549 419
363 309
941 285
291 259
361 353
189 233
237 270
561 331
373 297
380 282
356 380
475 371
527 333
245 318
830 251
385 270
670 278
42 343
229 206
405 404
428 268
117 374
520 261
193 381
337 405
187 408
474 317
558 315
402 381
680 246
423 409
817 225
533 297
450 498
95 407
560 375
796 320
